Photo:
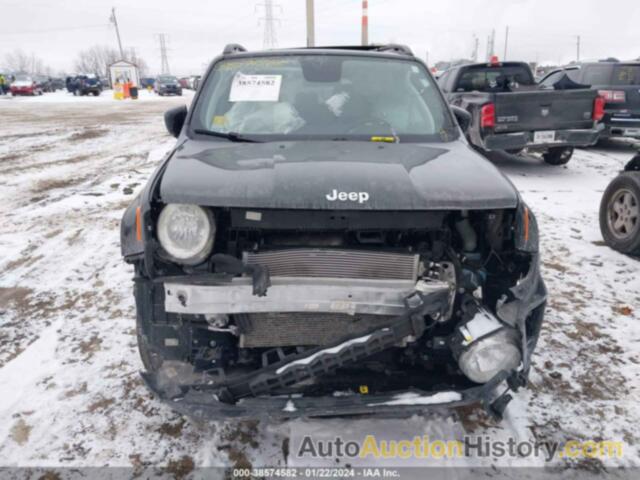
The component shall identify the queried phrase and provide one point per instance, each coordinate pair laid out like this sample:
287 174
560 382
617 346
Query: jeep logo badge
359 197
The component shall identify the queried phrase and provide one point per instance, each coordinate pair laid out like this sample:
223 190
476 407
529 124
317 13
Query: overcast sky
542 30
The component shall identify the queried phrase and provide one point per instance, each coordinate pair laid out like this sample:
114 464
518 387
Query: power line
48 30
164 60
476 46
270 39
491 44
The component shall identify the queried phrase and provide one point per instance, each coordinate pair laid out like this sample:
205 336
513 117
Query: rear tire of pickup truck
620 213
558 155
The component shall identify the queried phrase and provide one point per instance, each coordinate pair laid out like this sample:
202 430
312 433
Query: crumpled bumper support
255 394
322 360
204 405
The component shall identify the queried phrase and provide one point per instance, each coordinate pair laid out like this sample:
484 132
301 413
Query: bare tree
20 61
131 56
97 59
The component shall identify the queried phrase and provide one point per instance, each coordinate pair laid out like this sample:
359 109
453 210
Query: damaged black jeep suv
323 241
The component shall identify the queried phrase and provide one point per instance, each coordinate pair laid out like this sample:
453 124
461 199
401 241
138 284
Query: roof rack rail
232 48
395 48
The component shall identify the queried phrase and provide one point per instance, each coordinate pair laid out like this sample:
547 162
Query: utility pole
578 47
476 46
164 60
269 40
506 43
311 29
115 23
365 22
491 41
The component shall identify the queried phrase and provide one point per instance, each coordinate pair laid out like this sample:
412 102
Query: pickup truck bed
510 112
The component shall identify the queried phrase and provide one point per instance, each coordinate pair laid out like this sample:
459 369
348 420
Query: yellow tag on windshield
383 139
219 120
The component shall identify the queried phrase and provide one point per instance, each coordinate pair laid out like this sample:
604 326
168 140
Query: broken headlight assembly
484 346
186 232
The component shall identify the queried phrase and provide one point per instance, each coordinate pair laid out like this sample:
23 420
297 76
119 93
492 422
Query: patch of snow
413 398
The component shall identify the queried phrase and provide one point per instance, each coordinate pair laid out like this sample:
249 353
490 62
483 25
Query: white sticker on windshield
255 88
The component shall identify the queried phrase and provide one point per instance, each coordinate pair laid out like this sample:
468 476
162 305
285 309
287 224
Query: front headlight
483 359
186 232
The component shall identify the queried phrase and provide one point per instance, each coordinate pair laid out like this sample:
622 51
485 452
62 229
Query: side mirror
174 120
462 116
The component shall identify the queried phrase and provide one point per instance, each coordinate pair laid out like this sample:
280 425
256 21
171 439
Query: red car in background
25 85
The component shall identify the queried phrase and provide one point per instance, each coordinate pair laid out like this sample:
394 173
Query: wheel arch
633 165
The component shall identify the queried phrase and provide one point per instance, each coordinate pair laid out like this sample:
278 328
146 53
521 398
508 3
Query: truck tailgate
544 110
625 113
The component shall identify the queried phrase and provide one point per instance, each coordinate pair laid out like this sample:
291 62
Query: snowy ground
70 394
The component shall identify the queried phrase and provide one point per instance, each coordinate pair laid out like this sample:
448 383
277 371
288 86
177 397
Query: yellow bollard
118 94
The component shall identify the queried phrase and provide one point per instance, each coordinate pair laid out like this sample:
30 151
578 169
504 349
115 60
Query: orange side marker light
138 224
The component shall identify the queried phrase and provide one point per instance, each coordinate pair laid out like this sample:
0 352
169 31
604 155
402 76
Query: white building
123 71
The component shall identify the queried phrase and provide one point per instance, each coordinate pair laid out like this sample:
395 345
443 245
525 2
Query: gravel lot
70 394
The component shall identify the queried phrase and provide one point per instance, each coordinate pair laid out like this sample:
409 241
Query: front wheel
620 213
558 155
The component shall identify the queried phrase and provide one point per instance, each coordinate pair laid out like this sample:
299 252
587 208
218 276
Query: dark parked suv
167 85
314 231
619 84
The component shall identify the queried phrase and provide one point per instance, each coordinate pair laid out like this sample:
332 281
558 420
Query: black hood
309 174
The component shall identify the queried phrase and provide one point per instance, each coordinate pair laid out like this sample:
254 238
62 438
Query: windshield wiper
233 136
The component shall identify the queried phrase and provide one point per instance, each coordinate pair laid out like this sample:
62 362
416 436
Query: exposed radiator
309 262
302 329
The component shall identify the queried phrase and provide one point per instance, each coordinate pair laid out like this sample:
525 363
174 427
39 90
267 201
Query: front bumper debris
271 391
256 394
198 404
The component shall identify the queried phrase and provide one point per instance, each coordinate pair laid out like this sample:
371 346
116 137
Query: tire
620 213
558 155
515 151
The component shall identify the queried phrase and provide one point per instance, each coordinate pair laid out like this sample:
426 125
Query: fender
633 165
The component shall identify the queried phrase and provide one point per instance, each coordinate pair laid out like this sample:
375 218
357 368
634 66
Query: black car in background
619 84
167 85
57 84
84 85
510 111
147 82
44 83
